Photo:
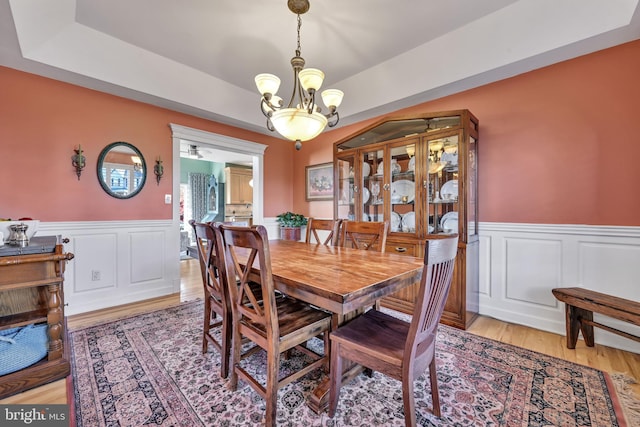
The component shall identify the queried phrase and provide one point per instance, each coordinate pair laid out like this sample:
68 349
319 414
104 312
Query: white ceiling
200 56
207 153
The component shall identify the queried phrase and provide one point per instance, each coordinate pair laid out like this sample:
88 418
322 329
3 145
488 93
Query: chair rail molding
521 263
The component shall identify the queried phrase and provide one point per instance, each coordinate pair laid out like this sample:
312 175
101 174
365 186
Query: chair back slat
205 242
331 226
237 242
437 274
364 235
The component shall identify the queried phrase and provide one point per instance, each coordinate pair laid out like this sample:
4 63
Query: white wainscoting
117 262
521 263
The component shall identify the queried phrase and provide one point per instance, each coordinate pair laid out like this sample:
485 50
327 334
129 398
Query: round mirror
122 170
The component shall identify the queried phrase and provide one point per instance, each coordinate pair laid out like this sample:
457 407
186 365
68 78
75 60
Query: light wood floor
599 357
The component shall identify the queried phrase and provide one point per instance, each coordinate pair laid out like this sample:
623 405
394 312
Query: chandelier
301 119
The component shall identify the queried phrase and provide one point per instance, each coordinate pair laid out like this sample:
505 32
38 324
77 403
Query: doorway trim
224 143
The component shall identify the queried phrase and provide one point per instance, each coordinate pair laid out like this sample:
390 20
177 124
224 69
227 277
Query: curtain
199 185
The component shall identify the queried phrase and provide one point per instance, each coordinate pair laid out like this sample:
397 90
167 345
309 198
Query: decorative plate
450 225
409 222
365 195
366 169
449 190
412 164
395 221
449 216
402 188
380 169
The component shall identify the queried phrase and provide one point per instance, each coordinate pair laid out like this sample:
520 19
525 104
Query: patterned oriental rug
149 370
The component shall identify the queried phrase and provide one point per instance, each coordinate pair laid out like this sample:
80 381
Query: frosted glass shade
332 97
411 150
295 124
311 78
267 83
435 146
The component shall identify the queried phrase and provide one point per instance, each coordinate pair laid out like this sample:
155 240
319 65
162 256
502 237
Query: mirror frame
103 155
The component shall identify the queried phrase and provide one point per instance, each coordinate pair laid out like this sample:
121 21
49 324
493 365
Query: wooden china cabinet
419 174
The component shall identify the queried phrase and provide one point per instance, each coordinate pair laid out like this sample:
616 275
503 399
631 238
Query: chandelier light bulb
276 101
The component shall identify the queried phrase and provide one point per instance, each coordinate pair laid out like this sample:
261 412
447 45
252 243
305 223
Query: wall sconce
158 169
78 160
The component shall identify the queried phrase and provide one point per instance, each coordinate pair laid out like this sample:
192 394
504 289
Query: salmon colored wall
42 120
558 145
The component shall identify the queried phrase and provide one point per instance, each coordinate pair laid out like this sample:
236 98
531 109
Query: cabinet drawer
404 248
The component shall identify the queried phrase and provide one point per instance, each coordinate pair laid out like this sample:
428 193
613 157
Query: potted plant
290 225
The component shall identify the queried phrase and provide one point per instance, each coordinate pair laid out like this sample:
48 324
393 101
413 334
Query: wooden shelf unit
31 288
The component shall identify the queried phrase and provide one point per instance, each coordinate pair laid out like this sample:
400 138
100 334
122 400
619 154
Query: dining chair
396 348
275 324
323 225
236 223
364 235
217 307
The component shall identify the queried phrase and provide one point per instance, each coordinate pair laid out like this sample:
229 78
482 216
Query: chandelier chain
298 50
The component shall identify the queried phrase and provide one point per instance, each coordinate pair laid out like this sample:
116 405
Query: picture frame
319 182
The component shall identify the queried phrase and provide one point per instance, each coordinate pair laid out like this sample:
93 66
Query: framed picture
319 182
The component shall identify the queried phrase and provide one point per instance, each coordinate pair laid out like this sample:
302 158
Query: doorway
225 150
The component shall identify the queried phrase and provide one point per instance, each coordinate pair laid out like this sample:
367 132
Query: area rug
149 370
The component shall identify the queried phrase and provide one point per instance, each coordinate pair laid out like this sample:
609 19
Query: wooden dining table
341 280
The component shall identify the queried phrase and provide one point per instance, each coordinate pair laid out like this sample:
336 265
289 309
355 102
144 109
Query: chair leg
409 401
207 324
225 346
236 348
327 352
435 397
273 364
335 378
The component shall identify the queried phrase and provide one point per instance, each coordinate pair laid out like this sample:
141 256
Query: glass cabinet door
442 183
373 183
345 195
404 194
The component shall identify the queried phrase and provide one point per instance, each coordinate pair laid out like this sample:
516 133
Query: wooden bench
580 304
